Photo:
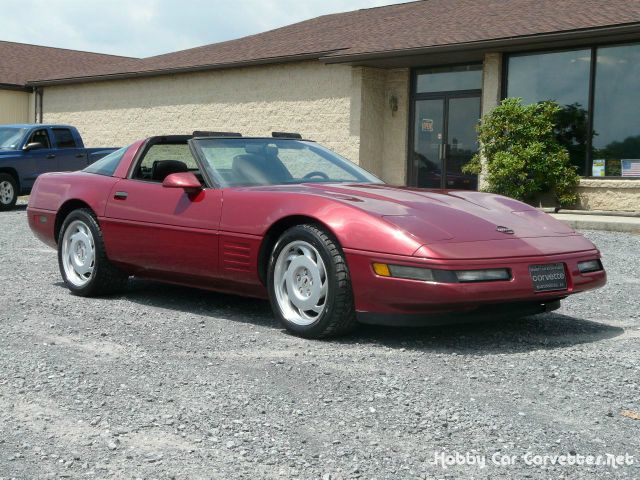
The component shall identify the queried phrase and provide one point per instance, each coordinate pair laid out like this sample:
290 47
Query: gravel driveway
167 382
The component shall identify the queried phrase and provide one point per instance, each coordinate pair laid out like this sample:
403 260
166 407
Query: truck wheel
82 259
309 284
8 191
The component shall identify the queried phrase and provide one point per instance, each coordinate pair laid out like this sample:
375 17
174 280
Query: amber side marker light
382 269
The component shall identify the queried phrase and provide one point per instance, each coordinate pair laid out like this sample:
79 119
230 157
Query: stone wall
306 97
613 195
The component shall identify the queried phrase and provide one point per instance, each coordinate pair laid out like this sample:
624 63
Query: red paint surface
211 239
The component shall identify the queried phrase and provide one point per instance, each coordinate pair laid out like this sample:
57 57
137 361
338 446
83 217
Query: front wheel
309 284
8 191
82 258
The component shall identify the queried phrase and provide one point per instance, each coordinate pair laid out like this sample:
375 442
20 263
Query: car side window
64 138
107 165
40 136
163 159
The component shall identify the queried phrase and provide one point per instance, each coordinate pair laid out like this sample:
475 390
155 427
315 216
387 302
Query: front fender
254 212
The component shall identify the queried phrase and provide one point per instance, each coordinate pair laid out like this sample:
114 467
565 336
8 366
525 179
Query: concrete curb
600 222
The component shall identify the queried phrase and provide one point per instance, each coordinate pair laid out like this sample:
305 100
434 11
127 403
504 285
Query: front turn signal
382 269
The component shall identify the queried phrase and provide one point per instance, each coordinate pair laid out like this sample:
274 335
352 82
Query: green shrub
523 155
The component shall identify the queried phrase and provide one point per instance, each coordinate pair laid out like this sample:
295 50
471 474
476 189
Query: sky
142 28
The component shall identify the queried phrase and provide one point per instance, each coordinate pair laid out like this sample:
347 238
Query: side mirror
32 146
185 180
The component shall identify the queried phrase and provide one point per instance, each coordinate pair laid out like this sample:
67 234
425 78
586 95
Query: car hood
434 216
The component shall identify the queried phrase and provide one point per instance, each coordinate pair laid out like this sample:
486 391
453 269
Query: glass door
444 139
427 160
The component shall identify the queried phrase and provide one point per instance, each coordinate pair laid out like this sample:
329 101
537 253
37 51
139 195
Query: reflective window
564 78
559 76
447 79
616 130
259 161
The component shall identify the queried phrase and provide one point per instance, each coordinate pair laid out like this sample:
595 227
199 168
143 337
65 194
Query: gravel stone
169 382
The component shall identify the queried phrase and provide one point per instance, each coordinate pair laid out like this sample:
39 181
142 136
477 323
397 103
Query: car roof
39 125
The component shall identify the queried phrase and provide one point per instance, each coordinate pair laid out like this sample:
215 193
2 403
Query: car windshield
263 161
10 137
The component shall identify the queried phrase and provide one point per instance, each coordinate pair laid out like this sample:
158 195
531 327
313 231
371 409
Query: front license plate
548 277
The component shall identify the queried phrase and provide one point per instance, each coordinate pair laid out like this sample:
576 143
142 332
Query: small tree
523 155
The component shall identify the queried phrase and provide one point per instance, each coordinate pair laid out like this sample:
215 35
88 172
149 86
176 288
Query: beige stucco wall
14 106
612 195
306 97
383 131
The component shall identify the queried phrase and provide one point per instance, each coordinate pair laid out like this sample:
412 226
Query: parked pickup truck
26 151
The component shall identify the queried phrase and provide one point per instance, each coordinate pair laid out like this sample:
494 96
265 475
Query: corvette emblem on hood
506 230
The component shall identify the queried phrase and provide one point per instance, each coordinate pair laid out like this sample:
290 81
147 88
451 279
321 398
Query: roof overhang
474 51
190 69
15 87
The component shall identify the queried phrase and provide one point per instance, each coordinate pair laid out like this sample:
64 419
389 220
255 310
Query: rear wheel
8 191
309 284
82 259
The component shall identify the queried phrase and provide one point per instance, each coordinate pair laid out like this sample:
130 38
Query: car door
163 232
70 155
39 156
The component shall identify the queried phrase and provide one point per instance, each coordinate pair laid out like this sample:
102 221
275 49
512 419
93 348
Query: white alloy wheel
300 283
78 253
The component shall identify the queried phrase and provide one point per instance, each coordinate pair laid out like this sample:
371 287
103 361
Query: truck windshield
236 162
10 137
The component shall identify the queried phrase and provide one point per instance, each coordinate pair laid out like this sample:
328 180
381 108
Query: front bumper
387 297
484 313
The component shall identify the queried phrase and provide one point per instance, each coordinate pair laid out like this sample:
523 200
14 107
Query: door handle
79 155
120 195
51 155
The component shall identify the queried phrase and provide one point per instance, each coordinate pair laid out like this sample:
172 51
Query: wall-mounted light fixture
393 103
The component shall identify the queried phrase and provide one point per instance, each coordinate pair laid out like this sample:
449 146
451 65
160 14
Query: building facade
403 106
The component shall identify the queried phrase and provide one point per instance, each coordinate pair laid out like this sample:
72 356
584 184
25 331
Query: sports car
328 243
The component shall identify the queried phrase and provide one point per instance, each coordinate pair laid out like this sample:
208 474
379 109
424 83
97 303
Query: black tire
338 317
8 202
106 278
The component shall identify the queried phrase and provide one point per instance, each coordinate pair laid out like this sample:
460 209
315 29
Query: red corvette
329 244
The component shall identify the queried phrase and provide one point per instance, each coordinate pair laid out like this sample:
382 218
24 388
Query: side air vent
236 256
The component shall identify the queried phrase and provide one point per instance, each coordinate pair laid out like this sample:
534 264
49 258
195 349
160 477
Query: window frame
170 140
446 95
593 49
47 133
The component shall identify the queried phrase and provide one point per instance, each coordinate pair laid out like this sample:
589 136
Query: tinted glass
443 79
463 117
428 142
562 77
616 130
64 138
107 165
257 161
